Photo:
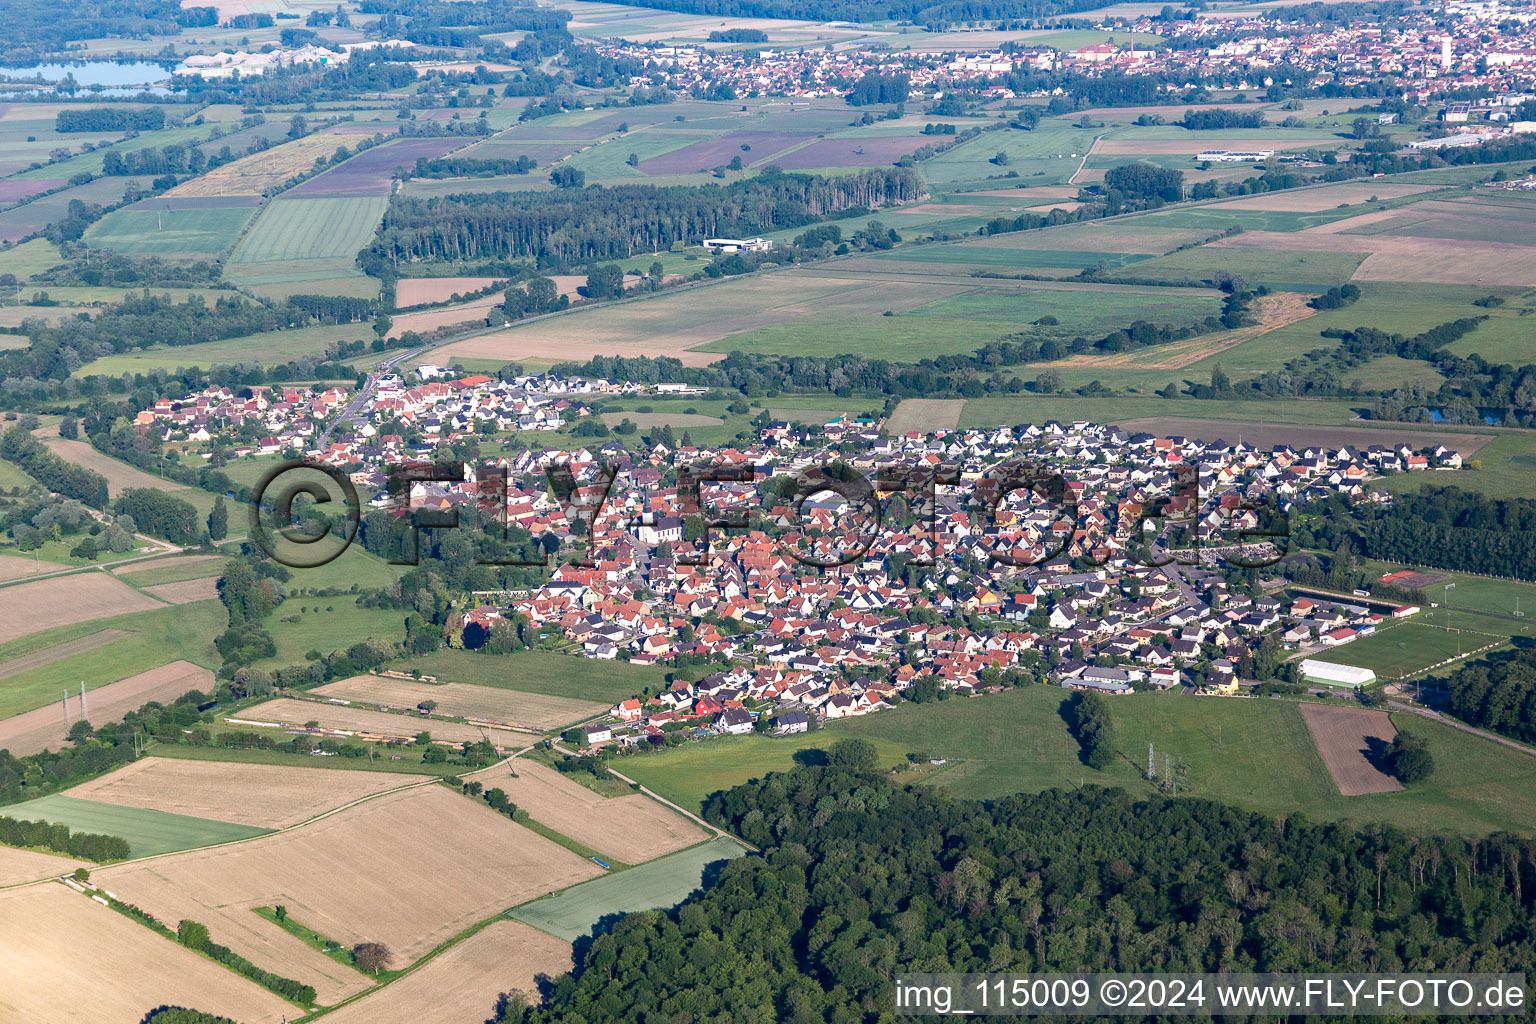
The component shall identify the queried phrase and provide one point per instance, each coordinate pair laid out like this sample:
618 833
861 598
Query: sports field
64 957
661 883
149 832
1408 648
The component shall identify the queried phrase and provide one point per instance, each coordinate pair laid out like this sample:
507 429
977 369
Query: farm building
1330 674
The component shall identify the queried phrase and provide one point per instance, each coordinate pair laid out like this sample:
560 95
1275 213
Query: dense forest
1498 693
859 880
577 225
1442 527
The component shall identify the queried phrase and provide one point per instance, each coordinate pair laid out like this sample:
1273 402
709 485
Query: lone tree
218 519
1410 759
372 956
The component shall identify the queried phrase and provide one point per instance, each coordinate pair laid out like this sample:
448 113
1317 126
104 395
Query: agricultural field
371 172
149 832
631 829
292 714
420 867
120 476
43 727
18 866
113 968
260 173
925 415
463 700
311 229
27 608
261 796
150 229
270 349
661 883
171 570
464 982
415 291
1353 743
558 675
36 669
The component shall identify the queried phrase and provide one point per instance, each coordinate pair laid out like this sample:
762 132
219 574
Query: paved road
355 412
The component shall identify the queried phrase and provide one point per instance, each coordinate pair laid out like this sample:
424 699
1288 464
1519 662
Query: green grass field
1317 271
305 229
29 258
1048 154
1253 753
156 637
662 883
138 232
960 324
270 349
559 675
173 570
148 832
338 628
400 759
1023 259
1027 408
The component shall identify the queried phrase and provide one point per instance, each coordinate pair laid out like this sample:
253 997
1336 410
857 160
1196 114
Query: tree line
58 838
578 225
109 119
37 461
1498 693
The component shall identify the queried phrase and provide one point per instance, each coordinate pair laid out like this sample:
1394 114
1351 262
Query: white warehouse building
1332 674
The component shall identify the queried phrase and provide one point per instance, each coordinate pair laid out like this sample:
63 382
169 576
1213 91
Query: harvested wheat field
120 475
65 959
413 291
409 869
1351 742
463 700
633 828
263 795
187 591
33 731
15 567
464 983
1314 200
128 570
1394 258
1093 237
255 174
925 415
285 712
64 600
1272 311
28 865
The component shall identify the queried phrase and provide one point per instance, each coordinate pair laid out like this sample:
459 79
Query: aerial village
808 612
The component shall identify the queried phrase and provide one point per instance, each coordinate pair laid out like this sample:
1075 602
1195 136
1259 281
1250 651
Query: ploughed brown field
1344 739
410 870
464 983
464 700
1400 258
413 291
65 959
633 828
33 731
264 795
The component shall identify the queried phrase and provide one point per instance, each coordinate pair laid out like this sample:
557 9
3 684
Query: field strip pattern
58 652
